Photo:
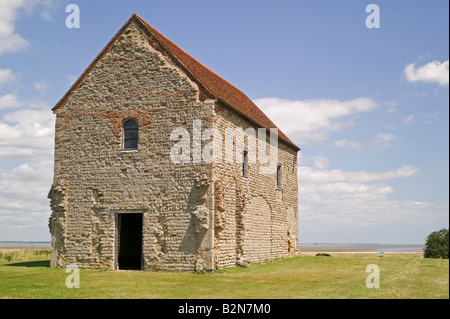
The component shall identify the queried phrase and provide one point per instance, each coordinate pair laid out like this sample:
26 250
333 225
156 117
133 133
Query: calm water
365 247
31 244
309 246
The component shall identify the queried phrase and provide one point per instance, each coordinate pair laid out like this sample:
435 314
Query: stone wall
255 220
94 180
195 215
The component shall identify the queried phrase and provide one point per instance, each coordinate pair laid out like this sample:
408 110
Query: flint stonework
195 216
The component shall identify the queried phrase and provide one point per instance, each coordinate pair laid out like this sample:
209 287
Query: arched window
130 134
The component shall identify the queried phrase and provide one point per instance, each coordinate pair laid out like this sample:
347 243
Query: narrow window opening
279 176
130 135
245 164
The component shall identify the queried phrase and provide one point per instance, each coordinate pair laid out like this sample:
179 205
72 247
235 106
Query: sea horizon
375 247
386 247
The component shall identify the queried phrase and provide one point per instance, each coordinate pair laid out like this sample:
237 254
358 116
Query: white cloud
346 143
434 72
71 79
321 162
27 134
8 132
382 140
357 190
391 103
409 119
309 175
6 76
10 40
27 139
313 120
24 209
335 198
432 117
41 86
48 7
36 104
9 101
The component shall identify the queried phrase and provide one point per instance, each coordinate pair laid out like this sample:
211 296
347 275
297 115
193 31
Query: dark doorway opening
130 241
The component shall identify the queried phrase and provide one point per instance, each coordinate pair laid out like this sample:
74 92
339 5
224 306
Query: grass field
26 274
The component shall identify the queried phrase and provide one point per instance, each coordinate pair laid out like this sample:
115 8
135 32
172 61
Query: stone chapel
134 187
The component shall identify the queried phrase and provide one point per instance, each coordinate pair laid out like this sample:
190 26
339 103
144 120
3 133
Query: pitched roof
210 84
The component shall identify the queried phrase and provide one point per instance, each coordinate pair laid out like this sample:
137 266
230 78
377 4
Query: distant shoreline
21 241
303 247
361 247
10 244
363 251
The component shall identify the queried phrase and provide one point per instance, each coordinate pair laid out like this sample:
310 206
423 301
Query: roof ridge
170 46
211 85
153 28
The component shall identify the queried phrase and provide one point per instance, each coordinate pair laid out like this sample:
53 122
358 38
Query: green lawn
29 276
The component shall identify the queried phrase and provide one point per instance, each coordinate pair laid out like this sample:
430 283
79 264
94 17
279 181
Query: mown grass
405 276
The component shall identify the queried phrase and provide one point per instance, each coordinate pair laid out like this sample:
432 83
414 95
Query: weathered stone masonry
195 216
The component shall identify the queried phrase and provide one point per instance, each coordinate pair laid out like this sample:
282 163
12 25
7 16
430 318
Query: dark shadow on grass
36 263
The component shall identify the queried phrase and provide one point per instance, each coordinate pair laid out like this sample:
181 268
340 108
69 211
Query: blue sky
368 107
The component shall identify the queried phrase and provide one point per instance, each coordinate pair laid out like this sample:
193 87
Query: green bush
436 245
323 255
